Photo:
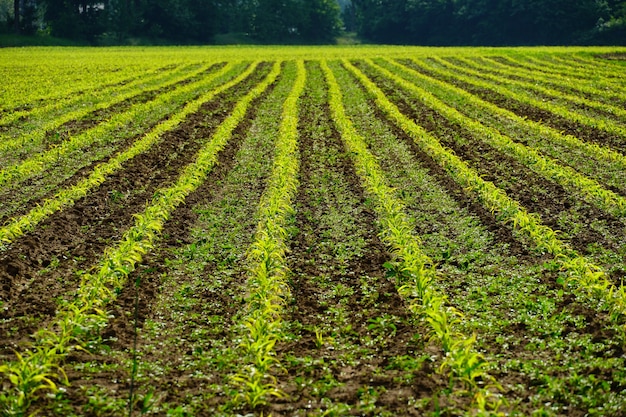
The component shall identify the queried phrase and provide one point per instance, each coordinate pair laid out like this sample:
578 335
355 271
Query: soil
308 260
40 268
578 130
73 239
535 193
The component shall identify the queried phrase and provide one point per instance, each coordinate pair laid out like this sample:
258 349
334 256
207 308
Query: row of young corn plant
508 295
584 70
111 131
584 277
22 197
187 347
30 85
448 70
103 90
589 189
267 287
587 156
77 323
417 278
66 197
203 291
43 120
549 84
536 85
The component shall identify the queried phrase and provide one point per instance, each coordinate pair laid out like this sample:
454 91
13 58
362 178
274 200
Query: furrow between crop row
569 178
416 275
43 121
543 137
38 367
586 278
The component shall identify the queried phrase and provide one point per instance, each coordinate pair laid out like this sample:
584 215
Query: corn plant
474 79
543 165
415 273
268 289
65 198
582 273
76 321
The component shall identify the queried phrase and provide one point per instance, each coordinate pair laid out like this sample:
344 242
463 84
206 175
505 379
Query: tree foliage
192 21
421 22
491 22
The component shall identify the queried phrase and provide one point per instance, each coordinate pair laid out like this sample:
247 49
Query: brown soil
120 332
538 115
534 192
77 236
307 260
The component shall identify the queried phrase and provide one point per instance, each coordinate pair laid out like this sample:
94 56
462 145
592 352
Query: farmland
303 231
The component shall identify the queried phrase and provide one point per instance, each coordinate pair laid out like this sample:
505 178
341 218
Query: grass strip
78 322
267 284
415 270
102 133
456 72
18 226
112 97
584 276
549 168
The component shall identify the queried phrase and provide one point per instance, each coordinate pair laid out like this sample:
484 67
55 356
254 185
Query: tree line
489 22
180 21
421 22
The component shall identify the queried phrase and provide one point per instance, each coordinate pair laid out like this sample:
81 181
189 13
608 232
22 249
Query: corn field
313 231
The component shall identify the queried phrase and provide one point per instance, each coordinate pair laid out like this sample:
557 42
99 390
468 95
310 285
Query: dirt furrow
347 315
578 130
42 265
539 195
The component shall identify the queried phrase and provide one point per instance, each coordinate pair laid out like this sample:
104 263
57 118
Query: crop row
582 94
46 119
582 273
550 141
476 78
257 374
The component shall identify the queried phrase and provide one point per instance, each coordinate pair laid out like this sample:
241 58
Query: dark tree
16 16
